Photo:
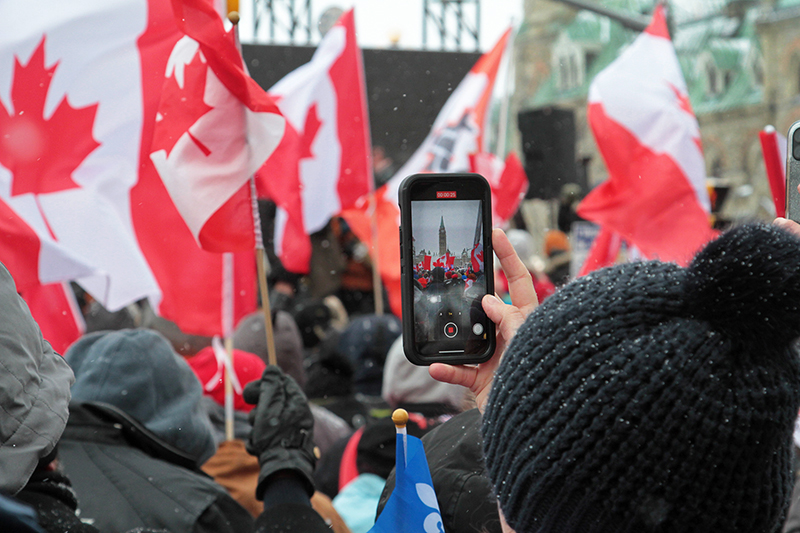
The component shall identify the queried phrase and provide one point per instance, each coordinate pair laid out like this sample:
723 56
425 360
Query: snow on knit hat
649 397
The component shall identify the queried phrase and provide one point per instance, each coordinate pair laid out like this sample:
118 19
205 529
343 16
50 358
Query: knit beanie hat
649 397
211 373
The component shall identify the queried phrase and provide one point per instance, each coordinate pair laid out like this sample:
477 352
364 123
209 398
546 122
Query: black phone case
793 172
406 275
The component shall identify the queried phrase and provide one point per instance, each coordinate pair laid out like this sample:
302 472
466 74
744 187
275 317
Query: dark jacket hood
34 390
137 371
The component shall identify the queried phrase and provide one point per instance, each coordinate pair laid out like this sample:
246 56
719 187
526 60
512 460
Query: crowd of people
643 397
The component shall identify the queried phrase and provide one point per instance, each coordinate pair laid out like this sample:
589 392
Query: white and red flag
426 262
440 262
476 257
201 290
214 128
79 195
70 120
322 165
456 135
655 197
773 148
508 182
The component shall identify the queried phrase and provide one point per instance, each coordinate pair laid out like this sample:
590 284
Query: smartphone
793 172
446 268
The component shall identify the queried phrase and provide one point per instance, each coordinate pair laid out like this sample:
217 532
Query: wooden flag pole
376 263
227 334
261 266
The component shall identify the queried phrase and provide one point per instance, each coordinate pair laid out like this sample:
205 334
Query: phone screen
449 275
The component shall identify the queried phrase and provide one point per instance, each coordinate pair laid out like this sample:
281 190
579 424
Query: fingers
456 375
508 318
520 283
789 225
251 392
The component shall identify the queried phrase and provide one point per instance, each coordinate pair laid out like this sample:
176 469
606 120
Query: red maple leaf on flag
42 153
181 107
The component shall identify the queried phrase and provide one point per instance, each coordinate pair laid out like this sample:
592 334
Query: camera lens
796 144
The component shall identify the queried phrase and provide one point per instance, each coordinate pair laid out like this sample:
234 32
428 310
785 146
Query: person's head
405 383
250 336
34 393
138 372
650 397
365 342
210 370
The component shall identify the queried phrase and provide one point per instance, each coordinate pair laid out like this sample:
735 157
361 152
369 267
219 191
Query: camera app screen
449 276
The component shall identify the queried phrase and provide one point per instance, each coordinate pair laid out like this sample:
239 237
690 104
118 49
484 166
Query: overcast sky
460 218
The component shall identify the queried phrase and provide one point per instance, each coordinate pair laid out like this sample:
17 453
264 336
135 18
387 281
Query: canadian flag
214 128
201 291
457 133
440 262
508 182
55 309
426 262
322 165
70 120
476 257
773 148
639 111
79 195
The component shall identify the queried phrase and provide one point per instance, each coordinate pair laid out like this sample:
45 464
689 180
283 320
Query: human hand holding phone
507 318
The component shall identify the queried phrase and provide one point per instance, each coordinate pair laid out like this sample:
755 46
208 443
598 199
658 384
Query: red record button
450 330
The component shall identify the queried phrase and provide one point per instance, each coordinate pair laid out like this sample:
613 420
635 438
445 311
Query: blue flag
412 507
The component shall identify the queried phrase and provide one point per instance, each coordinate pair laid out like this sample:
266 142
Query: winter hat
649 397
34 392
406 383
137 371
365 342
250 337
247 366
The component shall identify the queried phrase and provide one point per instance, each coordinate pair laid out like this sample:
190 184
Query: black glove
282 428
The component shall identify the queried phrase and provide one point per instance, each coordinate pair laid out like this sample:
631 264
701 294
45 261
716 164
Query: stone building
740 58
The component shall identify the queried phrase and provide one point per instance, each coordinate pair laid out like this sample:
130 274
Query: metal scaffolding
284 21
456 22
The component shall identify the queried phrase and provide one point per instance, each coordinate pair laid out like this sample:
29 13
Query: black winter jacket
126 477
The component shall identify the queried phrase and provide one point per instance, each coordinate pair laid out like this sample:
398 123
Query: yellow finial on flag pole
233 11
400 418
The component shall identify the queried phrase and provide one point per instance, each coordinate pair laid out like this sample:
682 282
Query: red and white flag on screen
476 257
70 120
655 197
457 134
215 127
322 165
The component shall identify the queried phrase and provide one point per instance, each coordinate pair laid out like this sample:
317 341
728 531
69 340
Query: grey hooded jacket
34 390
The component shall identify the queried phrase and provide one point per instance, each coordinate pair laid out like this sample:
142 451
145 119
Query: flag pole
502 127
272 357
376 270
227 334
227 284
400 419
